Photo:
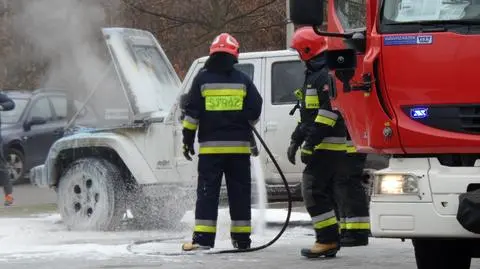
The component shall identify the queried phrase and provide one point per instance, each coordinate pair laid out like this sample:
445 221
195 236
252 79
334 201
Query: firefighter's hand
187 151
306 155
292 151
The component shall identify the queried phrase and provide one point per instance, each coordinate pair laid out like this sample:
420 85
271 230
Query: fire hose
284 227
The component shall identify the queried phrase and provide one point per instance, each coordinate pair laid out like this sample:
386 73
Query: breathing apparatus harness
284 227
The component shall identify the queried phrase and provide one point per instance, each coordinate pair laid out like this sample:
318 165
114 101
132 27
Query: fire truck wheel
442 253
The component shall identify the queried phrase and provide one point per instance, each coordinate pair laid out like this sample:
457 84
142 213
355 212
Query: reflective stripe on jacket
221 106
225 147
350 147
321 127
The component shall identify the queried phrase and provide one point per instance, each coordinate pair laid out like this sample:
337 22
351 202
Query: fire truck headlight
396 184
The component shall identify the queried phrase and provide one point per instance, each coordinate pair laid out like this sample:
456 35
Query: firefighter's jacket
320 127
222 106
349 144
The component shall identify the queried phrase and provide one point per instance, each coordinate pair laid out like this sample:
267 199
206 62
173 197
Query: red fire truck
406 84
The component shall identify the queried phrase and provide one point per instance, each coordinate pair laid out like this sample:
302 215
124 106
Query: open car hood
146 75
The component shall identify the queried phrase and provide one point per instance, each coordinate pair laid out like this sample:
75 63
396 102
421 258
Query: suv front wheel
91 195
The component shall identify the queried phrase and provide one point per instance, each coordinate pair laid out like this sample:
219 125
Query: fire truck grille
470 118
454 118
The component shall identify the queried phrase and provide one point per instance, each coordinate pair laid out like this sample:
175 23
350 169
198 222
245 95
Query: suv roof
260 54
21 93
49 90
17 93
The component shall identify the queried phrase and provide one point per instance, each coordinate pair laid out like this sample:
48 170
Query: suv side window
286 78
59 106
41 108
248 69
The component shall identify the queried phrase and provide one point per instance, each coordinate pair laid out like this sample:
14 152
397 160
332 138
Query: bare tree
187 27
184 28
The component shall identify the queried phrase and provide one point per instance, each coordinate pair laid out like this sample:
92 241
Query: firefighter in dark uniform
322 130
355 221
222 103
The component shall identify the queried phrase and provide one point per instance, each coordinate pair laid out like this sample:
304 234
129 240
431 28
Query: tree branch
273 25
248 12
170 27
162 15
228 6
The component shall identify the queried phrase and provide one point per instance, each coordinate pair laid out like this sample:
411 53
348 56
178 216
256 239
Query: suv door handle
271 126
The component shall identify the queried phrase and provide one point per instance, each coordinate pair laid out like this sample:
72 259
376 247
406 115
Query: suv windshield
13 116
408 11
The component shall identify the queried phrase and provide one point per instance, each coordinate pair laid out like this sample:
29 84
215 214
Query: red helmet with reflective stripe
225 43
308 43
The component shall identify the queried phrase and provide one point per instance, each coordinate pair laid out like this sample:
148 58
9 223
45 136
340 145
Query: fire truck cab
405 75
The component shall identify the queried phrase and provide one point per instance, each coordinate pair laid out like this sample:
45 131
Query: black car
29 130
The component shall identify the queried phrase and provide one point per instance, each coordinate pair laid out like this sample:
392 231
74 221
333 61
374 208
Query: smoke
66 34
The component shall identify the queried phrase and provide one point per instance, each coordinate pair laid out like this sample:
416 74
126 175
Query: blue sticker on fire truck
398 40
419 113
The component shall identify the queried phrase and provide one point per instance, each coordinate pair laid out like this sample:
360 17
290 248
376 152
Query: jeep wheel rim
15 166
85 201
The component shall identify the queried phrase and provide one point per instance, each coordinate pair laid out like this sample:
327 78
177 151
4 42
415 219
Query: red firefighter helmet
225 43
307 43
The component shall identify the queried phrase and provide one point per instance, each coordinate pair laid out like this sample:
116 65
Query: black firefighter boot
354 239
241 244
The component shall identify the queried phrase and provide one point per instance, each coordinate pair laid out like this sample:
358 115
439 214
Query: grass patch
25 211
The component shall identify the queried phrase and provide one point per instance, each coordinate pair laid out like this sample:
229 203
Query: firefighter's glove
306 155
187 151
292 151
188 137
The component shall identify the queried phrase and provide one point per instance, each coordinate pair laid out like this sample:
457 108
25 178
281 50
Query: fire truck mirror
345 76
344 59
357 42
343 62
306 12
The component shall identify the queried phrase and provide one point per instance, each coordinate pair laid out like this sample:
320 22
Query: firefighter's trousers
352 203
4 175
319 182
211 168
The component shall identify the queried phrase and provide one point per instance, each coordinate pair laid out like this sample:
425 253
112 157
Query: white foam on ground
45 236
270 216
33 239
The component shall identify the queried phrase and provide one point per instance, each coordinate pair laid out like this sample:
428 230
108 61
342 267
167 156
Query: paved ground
42 242
29 199
27 194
